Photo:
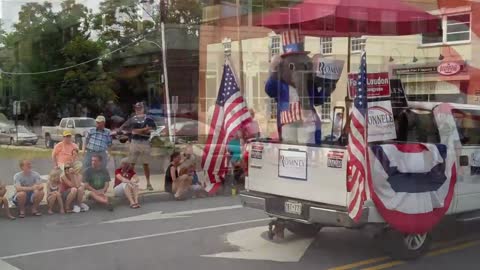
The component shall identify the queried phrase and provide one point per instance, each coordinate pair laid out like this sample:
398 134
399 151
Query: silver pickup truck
77 125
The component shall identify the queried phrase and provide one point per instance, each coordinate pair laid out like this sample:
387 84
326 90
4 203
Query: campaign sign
335 159
292 164
399 98
329 68
257 151
381 124
378 85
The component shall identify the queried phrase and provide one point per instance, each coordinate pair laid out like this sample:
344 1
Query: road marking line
162 215
252 244
6 266
452 249
385 265
360 263
133 238
443 248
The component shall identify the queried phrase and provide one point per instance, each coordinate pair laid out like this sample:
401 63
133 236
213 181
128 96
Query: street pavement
211 233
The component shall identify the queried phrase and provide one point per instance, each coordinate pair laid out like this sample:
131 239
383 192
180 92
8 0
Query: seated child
54 196
4 201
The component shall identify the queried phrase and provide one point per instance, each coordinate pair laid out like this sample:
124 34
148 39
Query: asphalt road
213 233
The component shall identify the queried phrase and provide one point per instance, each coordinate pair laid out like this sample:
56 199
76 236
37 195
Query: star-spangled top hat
293 43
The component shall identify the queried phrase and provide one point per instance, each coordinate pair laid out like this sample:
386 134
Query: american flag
357 167
292 114
230 114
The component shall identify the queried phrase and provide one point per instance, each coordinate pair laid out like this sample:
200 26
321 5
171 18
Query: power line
73 66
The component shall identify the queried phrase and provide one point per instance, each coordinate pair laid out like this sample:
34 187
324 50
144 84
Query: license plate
293 207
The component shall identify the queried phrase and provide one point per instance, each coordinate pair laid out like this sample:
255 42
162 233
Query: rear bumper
328 215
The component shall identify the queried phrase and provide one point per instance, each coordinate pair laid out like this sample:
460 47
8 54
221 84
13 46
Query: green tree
119 22
86 82
44 40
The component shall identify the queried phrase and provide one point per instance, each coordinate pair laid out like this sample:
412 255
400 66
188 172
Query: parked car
77 125
186 130
9 135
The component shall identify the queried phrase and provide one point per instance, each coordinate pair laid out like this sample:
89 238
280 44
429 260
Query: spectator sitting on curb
188 158
54 196
97 181
126 183
4 201
72 191
64 151
171 174
29 189
182 184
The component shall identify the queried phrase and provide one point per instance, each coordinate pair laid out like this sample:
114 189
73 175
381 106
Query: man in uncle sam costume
297 89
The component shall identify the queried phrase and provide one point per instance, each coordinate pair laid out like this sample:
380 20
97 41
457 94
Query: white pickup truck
306 197
76 125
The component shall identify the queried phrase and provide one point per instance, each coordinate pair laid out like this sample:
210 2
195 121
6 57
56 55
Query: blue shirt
98 140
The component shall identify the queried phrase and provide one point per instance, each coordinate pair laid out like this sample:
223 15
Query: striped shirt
98 140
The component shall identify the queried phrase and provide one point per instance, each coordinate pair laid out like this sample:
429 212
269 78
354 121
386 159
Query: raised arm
67 181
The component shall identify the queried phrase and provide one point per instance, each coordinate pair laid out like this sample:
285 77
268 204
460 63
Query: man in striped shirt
98 142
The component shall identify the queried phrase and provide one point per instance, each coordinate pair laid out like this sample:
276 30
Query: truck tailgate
310 173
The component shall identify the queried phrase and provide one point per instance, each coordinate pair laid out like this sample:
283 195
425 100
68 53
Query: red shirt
128 174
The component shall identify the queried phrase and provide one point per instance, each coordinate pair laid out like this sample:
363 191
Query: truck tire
79 141
302 229
402 246
48 141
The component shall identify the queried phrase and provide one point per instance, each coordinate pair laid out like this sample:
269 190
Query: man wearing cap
98 142
141 126
65 151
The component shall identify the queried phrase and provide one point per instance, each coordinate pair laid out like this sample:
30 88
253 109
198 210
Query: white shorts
119 190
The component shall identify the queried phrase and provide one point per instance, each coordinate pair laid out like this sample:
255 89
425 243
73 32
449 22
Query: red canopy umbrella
351 18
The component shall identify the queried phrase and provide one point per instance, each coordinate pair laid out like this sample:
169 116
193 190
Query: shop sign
449 68
415 70
329 68
381 124
444 69
378 85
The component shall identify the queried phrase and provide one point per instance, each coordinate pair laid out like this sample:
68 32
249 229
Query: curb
116 201
147 197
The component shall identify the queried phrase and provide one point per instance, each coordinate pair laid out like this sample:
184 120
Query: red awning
350 18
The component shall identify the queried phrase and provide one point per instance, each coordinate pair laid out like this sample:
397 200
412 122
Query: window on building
275 45
326 45
358 44
458 28
455 28
326 110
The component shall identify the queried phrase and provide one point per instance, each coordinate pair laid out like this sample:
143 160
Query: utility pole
163 16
